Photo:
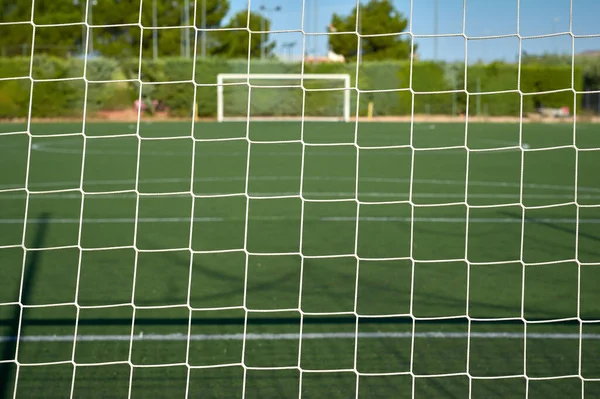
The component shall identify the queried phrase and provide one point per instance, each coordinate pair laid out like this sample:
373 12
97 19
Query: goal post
335 86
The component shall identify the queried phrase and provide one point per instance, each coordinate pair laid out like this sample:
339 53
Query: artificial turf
433 260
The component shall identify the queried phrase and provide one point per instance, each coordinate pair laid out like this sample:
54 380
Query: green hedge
59 88
179 96
499 78
538 78
427 79
534 78
60 91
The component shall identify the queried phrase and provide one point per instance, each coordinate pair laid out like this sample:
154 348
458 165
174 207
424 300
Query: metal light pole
289 46
203 48
154 31
314 39
184 34
186 7
262 37
175 5
86 5
359 29
91 4
83 28
90 8
555 20
181 34
265 10
435 29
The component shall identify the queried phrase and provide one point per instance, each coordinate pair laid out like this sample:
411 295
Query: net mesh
390 260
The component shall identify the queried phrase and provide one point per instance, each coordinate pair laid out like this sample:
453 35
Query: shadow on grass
556 226
204 271
9 352
20 319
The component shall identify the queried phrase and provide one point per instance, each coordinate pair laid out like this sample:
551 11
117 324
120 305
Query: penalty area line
294 336
288 218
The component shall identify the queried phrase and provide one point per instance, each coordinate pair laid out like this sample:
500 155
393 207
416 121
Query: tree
123 41
588 62
376 17
68 38
16 38
116 41
109 39
172 13
234 43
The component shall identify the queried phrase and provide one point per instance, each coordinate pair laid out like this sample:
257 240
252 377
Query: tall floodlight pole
359 29
83 28
154 31
175 5
435 29
263 23
262 37
555 20
316 24
186 22
181 32
289 46
203 49
86 6
90 7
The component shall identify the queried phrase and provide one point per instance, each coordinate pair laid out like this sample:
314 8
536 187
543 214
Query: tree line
116 29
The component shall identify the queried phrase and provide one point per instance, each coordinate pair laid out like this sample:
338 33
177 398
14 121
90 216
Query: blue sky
483 18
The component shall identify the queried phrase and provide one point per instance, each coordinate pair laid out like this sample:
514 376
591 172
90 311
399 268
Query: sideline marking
75 184
286 218
293 336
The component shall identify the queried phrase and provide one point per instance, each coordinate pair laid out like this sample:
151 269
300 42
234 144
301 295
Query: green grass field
411 265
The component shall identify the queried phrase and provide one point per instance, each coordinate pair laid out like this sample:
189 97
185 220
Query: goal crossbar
222 77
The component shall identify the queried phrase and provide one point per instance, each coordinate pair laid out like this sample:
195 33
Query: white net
448 250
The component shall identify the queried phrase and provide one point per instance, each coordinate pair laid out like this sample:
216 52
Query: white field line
294 336
362 179
288 218
457 220
399 152
74 146
77 151
305 194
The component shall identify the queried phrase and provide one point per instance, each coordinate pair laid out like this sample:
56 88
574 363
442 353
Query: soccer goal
316 97
433 241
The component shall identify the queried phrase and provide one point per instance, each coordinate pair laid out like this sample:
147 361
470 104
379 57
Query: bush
538 78
66 97
427 79
54 98
178 97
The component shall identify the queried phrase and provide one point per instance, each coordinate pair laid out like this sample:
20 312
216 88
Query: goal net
309 97
440 240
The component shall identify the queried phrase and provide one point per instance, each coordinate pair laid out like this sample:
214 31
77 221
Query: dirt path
131 116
